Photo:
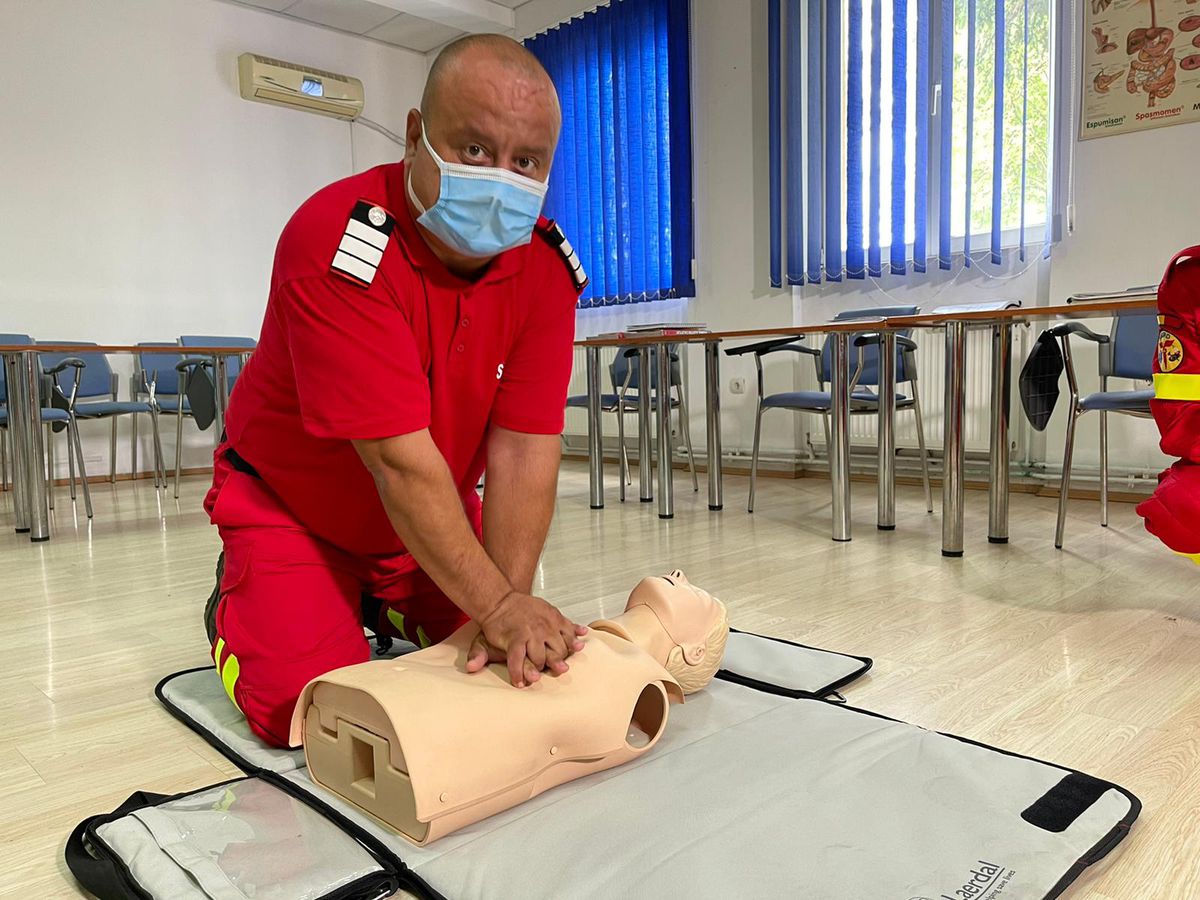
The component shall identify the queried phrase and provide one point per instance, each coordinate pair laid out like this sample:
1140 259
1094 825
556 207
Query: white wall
141 196
1137 203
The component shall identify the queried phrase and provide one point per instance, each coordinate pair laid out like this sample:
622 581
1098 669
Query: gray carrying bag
246 838
761 787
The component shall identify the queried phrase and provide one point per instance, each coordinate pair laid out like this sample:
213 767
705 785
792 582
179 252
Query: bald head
467 57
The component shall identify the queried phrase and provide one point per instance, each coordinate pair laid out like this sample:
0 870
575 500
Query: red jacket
1173 513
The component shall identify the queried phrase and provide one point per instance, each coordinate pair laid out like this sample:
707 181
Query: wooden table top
1105 309
123 348
1100 309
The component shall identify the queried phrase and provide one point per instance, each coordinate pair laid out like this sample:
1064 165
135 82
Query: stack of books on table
655 329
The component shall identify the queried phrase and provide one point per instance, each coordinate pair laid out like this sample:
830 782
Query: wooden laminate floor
1088 657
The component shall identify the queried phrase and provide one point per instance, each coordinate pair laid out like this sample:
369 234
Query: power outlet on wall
737 385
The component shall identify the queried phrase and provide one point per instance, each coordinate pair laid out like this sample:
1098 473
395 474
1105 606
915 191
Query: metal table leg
887 432
645 428
712 413
595 430
28 381
662 394
1001 392
952 440
16 429
839 450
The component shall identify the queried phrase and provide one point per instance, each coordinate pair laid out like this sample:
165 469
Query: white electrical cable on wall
375 126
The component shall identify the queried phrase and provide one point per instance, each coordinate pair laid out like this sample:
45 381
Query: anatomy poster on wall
1141 65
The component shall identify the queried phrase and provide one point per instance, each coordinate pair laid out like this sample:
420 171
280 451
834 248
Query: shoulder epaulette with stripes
361 248
549 229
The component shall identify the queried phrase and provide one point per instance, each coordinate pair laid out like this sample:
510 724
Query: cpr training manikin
427 749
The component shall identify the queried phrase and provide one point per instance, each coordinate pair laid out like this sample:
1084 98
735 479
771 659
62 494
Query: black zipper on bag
373 886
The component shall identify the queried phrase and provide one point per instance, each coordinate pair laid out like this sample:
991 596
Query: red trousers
290 606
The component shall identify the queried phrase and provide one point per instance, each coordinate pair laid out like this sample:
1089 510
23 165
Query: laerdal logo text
983 879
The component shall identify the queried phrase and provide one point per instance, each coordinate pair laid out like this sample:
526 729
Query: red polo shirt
357 351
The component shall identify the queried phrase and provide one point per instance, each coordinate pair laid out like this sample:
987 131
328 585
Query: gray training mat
758 788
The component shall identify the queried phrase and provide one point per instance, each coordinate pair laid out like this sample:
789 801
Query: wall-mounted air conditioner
287 84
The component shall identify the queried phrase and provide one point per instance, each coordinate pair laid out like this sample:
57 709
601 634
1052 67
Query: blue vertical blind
621 184
904 131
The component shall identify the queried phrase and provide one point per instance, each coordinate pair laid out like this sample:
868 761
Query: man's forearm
425 510
518 502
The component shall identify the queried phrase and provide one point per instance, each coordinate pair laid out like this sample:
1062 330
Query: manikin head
677 623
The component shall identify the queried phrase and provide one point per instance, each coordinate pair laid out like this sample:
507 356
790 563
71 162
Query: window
896 124
621 184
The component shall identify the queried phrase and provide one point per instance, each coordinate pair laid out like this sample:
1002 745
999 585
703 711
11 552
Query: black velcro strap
1060 806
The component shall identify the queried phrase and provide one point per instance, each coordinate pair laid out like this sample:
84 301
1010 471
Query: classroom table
23 377
841 333
1001 321
999 317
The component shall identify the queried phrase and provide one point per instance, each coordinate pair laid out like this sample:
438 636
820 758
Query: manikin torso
427 748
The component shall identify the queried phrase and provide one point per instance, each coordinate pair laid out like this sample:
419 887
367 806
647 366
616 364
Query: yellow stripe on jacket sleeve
1174 386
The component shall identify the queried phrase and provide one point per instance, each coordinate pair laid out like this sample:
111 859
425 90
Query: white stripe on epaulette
366 233
354 267
368 253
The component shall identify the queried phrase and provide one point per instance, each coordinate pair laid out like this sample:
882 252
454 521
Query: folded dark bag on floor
760 787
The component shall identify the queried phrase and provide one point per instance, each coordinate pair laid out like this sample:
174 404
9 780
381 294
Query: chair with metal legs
1127 351
51 417
94 396
626 378
624 375
162 378
864 374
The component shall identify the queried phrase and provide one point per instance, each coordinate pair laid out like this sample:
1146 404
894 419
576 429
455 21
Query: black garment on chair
1039 380
202 397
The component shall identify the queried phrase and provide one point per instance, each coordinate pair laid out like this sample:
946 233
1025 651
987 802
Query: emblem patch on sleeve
1170 352
363 242
559 241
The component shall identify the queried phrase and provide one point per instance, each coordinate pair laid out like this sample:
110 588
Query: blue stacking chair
1127 351
625 376
93 395
233 364
864 373
161 377
50 417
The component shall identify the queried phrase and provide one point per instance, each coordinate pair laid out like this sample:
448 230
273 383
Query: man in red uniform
419 326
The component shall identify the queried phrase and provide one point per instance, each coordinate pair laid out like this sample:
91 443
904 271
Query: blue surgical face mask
480 211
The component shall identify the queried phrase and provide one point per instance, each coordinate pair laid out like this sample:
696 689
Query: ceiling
421 25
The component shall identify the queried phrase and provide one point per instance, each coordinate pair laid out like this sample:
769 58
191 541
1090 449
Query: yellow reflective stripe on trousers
1194 557
422 638
229 672
1173 386
397 619
229 676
